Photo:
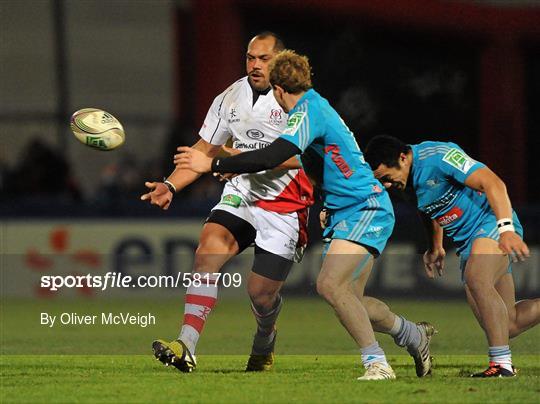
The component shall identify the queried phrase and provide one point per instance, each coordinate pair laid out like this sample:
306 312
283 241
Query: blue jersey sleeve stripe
430 151
425 156
307 130
304 134
300 132
305 125
431 148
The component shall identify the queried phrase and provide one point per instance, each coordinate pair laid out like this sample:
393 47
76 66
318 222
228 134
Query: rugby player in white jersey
269 209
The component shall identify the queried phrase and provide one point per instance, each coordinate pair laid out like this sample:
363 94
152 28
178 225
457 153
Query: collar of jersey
264 92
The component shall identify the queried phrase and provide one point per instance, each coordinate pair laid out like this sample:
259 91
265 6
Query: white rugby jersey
252 127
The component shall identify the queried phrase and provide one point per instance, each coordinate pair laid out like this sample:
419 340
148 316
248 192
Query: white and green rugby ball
97 128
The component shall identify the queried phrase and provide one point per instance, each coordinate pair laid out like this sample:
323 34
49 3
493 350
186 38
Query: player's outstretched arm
250 162
291 164
434 256
487 181
161 193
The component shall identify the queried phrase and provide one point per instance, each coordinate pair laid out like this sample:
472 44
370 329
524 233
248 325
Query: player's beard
261 86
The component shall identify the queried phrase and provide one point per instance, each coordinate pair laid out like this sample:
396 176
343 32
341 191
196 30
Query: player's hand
159 194
434 261
323 218
510 243
192 159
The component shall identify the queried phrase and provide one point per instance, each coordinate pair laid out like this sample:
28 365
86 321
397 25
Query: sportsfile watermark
117 280
59 304
399 271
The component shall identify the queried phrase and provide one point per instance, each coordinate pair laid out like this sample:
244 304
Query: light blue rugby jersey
439 171
317 129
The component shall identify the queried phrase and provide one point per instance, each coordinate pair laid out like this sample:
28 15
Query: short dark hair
279 45
384 149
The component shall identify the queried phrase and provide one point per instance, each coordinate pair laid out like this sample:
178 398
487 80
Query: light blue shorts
369 223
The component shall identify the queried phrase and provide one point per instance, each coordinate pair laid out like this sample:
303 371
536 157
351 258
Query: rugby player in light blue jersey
465 199
360 220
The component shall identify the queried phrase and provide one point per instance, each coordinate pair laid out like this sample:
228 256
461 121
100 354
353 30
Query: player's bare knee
263 302
262 297
328 289
322 289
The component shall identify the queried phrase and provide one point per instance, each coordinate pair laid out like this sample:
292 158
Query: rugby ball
97 128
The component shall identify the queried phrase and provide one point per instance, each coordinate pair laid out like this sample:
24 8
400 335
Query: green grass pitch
316 360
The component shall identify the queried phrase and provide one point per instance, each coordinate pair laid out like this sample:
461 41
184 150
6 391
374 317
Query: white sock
373 353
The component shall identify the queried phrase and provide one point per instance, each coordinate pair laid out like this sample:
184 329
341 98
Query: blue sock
405 333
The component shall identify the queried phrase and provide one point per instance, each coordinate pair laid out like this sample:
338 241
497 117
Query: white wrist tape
503 221
505 224
506 227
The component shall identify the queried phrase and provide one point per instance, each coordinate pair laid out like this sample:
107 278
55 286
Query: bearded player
268 208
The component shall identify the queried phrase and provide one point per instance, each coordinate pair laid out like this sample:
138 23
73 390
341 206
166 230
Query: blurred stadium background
465 71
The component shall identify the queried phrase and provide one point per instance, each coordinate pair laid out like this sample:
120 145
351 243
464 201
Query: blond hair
290 71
